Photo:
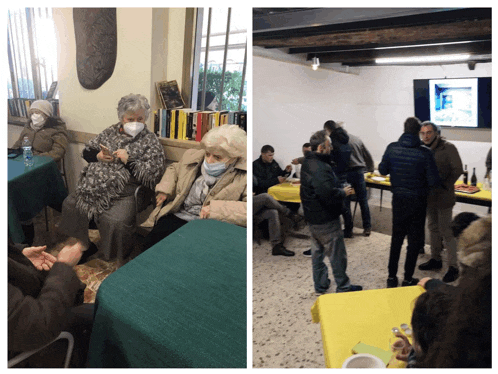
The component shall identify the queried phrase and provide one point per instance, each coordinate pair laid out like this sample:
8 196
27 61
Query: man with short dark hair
440 203
413 172
322 198
267 172
341 155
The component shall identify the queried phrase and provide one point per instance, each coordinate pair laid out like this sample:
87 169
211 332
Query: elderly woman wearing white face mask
120 158
47 134
207 183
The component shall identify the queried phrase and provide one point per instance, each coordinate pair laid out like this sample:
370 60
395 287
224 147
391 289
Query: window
32 53
221 46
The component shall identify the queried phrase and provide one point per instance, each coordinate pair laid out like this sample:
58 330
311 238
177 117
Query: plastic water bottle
27 152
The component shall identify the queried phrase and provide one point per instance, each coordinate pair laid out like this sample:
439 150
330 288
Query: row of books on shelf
20 107
190 124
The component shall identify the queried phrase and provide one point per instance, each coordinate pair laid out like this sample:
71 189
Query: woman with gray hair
120 158
207 183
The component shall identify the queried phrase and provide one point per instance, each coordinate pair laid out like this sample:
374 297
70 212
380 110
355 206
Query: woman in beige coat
207 183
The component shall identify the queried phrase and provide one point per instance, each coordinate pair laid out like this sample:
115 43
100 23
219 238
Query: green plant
231 87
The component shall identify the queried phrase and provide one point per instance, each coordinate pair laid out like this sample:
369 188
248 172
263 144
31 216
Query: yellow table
481 198
367 316
286 192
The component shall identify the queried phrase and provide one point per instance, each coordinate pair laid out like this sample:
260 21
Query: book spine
175 130
172 124
194 126
167 123
243 121
189 126
198 127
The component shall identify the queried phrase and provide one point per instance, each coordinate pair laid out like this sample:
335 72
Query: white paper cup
362 361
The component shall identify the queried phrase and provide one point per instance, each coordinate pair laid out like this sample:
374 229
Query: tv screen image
453 102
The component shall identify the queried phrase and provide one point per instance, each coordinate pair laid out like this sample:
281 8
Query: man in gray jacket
360 161
440 203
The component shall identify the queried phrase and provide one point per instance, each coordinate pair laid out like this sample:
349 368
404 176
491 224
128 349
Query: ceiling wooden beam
464 30
474 48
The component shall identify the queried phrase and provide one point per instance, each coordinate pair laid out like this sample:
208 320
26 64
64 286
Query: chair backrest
62 169
63 335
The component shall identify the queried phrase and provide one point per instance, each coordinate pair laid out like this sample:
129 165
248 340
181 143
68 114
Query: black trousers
408 220
165 225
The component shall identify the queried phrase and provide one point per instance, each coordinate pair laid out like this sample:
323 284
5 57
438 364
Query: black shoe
355 287
348 234
392 282
411 282
451 275
431 265
307 253
92 249
280 250
366 232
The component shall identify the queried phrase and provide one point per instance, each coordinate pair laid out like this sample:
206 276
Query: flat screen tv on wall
454 102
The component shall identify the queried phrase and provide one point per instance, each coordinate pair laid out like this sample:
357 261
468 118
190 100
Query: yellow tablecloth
286 192
367 316
482 195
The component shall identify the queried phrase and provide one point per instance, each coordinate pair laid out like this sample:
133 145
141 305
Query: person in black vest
414 174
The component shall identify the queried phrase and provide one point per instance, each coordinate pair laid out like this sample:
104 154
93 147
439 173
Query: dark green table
180 304
30 189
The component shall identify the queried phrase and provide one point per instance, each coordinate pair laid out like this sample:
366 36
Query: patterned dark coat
101 182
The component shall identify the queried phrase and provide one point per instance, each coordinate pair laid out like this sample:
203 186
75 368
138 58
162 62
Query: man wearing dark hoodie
340 156
414 173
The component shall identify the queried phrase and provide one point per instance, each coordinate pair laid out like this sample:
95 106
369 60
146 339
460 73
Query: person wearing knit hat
47 133
43 106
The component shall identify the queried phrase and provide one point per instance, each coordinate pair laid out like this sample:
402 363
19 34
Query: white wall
292 101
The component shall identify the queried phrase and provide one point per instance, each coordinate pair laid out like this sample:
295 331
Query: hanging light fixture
315 63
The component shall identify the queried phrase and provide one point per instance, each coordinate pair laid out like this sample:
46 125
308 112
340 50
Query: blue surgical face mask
215 169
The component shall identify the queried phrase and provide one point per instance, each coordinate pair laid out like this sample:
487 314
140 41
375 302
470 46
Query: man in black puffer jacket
414 173
322 198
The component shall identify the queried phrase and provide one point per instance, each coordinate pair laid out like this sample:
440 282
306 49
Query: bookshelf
188 124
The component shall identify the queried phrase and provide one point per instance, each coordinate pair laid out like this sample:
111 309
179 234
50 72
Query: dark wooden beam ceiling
359 43
466 30
367 56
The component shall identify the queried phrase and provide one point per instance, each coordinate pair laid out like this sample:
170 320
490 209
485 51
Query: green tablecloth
30 189
182 303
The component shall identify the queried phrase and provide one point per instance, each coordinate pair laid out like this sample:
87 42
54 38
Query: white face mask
133 128
37 121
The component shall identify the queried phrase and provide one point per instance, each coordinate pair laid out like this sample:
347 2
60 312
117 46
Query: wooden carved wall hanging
96 45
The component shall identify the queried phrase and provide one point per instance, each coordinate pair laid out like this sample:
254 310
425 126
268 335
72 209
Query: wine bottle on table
473 179
465 176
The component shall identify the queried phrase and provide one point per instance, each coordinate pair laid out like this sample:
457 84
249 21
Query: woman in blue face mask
207 183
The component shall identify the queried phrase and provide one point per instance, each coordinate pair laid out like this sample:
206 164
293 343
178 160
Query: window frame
193 48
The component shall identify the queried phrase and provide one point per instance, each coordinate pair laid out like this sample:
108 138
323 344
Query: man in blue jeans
322 198
360 161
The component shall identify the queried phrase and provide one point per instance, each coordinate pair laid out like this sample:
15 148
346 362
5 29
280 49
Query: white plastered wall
291 101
